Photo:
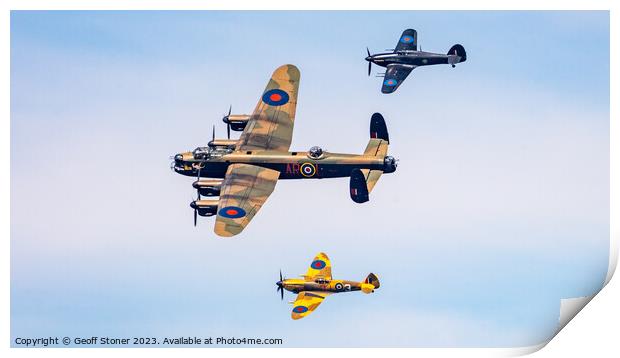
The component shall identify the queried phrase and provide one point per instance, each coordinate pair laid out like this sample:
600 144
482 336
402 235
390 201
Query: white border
311 5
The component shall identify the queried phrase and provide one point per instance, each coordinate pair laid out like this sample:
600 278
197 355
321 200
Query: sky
499 207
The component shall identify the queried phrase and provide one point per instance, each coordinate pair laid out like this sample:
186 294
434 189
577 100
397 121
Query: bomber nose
177 161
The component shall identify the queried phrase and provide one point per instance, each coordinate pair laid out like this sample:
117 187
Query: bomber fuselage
291 165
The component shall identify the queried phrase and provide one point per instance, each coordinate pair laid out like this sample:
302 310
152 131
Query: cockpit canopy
209 152
315 152
201 152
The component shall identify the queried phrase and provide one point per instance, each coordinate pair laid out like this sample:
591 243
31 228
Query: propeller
213 135
195 207
200 166
228 123
369 62
198 178
280 286
198 191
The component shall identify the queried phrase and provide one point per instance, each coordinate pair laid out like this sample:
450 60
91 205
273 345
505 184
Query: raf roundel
391 82
300 309
318 264
406 39
232 212
308 170
275 97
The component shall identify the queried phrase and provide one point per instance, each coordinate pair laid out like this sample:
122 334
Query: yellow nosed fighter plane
244 172
317 284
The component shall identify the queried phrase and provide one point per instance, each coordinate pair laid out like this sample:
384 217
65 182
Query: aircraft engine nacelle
237 122
368 288
223 143
208 187
206 207
389 164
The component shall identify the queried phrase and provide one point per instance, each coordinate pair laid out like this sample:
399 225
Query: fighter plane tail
371 283
456 54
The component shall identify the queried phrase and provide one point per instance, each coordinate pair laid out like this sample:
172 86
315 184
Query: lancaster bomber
244 172
317 284
405 57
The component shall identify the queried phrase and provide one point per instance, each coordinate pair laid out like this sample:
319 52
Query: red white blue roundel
390 82
318 264
406 39
232 212
300 309
275 97
307 169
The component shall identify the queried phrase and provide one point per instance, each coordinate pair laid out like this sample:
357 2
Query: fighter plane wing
270 127
319 267
394 76
307 302
408 41
244 190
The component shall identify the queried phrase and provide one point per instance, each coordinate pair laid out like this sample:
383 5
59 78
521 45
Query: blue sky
499 208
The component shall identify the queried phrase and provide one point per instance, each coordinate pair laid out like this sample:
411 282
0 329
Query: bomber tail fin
378 129
379 137
358 187
364 180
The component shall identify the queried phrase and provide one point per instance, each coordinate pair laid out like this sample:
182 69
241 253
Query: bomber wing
394 76
270 127
306 303
244 190
319 267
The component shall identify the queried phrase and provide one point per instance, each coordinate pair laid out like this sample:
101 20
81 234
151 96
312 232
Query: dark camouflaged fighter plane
244 172
405 57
